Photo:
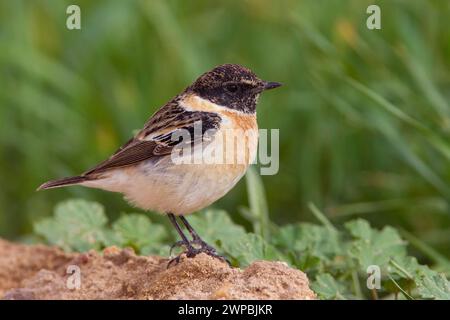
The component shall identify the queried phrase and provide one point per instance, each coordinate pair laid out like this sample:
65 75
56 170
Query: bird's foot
209 250
193 248
189 251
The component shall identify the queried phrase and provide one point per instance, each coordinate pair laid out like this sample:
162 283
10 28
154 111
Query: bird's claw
193 248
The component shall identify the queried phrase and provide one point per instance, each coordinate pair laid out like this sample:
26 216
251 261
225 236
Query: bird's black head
232 86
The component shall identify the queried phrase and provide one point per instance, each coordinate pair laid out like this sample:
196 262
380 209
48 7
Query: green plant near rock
335 260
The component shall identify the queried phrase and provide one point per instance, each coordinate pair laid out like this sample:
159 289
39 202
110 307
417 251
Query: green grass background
364 115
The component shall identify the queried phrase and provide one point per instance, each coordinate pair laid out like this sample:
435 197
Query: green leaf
314 244
404 267
76 225
429 283
111 238
216 227
373 247
433 286
337 259
326 287
137 231
252 247
249 248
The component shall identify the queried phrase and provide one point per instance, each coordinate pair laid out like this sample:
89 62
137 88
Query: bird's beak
271 85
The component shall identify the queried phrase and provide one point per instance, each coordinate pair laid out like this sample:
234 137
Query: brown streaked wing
168 120
134 152
160 126
137 149
165 119
124 146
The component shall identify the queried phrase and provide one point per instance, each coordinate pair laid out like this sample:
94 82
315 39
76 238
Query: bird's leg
173 220
190 250
196 240
195 237
191 230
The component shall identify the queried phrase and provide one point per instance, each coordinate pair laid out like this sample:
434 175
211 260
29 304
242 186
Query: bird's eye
232 88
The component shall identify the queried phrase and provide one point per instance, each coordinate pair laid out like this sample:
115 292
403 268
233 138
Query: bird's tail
63 182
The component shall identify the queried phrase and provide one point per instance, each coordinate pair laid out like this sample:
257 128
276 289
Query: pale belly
183 189
180 189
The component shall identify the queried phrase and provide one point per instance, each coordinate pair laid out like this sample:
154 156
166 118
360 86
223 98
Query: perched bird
154 169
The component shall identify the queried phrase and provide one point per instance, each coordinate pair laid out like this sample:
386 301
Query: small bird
154 169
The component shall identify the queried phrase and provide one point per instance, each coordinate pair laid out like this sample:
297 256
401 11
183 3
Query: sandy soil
41 272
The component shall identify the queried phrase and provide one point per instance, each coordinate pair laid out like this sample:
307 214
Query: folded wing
155 139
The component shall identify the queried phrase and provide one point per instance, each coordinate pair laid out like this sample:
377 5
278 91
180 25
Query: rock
20 262
40 272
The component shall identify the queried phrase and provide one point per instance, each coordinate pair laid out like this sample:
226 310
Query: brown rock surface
40 272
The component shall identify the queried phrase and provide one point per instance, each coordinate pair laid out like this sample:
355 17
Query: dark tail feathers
62 182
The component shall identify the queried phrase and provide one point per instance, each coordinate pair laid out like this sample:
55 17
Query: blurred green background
364 115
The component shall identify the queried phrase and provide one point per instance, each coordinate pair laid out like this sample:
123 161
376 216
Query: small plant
335 260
